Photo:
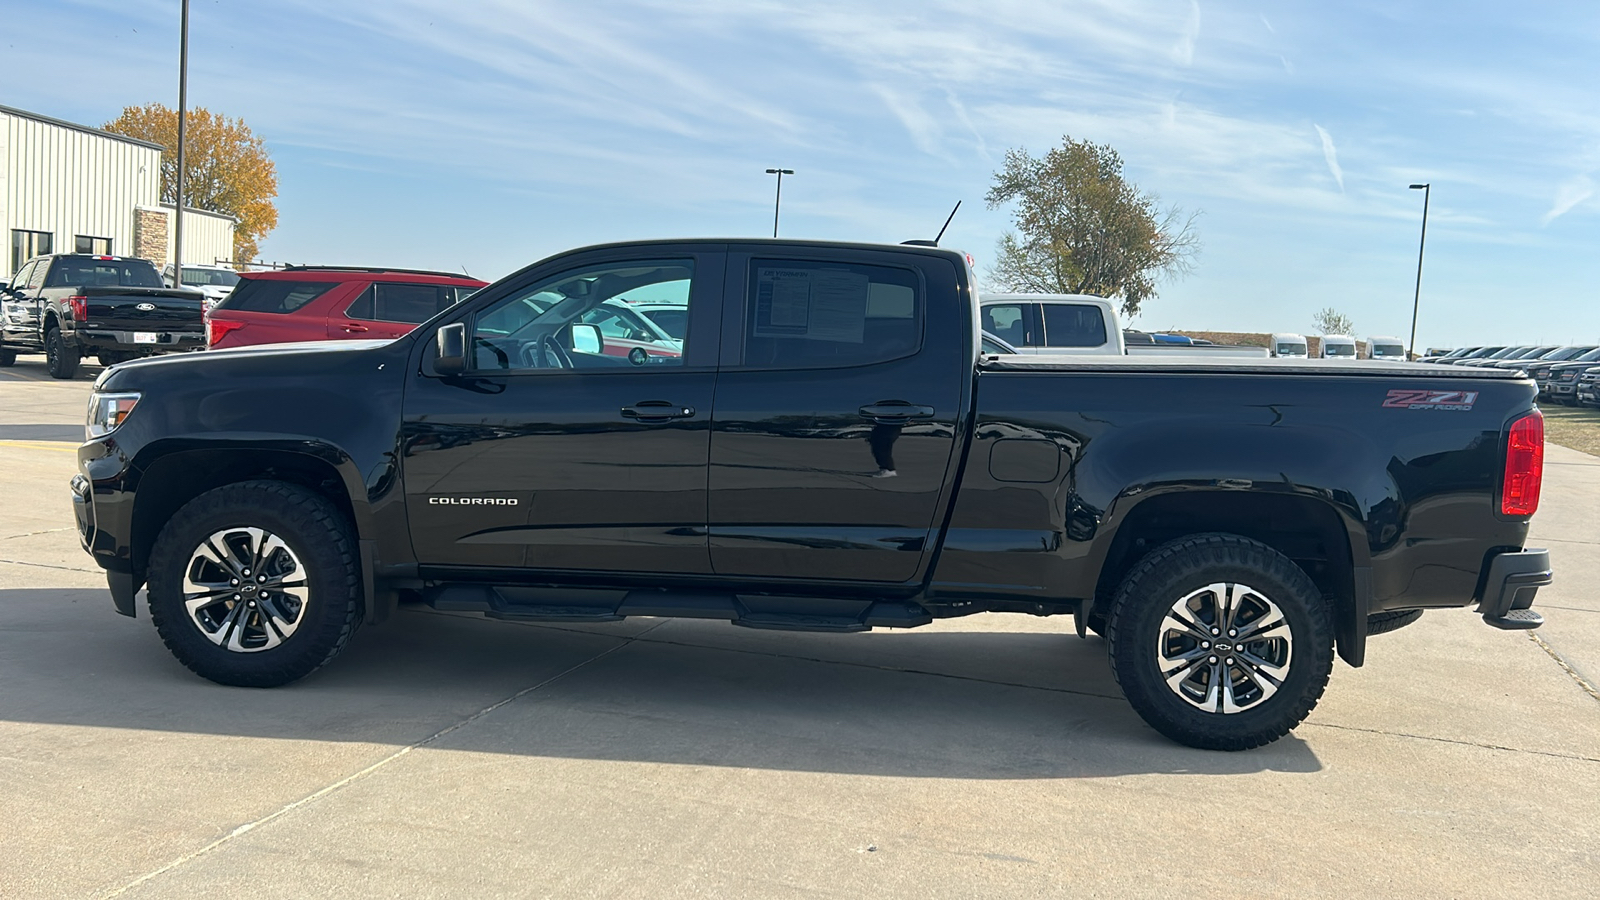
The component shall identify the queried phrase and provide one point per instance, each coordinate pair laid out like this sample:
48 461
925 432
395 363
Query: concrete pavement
452 755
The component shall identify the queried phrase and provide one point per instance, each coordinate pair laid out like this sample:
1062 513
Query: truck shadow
934 704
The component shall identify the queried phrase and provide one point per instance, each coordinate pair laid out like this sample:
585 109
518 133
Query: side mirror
586 339
451 342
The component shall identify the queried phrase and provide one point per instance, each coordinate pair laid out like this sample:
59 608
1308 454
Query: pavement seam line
18 562
1457 741
11 537
1565 666
356 776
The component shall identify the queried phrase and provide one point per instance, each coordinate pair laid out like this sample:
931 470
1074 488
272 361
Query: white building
68 188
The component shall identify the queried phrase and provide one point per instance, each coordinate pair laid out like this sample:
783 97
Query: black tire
318 539
1183 569
8 358
110 359
60 358
1385 622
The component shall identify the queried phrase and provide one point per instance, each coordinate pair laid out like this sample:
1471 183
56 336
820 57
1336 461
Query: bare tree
1331 321
1082 228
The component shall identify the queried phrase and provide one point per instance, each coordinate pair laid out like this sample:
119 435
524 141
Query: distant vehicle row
1565 374
1337 346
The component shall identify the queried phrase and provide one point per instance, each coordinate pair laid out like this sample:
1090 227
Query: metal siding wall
207 237
71 183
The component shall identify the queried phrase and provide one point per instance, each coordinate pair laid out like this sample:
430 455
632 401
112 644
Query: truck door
551 454
839 405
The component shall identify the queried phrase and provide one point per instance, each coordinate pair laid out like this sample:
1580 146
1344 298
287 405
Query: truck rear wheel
255 584
60 358
8 358
1220 642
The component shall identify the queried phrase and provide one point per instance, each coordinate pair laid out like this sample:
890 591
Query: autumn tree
1083 228
1331 321
227 167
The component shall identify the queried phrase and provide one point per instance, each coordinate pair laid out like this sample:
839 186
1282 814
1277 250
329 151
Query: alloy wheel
245 589
1225 648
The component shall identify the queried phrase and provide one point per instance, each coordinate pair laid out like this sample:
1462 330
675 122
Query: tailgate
144 309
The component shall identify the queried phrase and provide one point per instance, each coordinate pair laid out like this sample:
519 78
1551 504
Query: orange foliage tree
228 169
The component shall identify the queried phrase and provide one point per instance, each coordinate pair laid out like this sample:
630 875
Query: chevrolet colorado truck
831 450
116 308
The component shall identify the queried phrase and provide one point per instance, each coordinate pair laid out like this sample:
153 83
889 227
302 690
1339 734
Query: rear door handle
657 411
353 328
889 412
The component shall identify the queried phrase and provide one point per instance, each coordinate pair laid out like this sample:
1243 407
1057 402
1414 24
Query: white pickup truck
1079 325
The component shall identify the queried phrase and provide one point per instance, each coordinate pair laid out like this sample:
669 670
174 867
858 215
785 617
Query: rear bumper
1509 586
97 340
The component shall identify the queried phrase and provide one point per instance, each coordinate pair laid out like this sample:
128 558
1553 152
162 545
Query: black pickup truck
113 307
828 449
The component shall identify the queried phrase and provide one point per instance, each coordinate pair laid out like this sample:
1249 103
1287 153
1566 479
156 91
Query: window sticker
813 304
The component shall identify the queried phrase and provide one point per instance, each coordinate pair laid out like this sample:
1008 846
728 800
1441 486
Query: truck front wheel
59 357
255 584
1220 642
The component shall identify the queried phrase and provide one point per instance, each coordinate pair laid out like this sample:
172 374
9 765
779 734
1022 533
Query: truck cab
1289 346
1337 346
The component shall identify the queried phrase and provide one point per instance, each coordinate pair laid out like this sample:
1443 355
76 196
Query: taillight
1519 493
79 304
218 329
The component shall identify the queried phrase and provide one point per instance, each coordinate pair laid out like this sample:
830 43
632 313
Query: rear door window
274 295
410 304
1074 325
808 314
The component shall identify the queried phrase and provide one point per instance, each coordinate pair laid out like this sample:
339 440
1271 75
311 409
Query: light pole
1416 300
776 201
183 99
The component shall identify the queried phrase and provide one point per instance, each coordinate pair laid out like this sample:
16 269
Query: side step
1516 620
538 604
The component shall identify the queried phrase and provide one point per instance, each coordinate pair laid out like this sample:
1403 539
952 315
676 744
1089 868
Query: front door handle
657 411
891 412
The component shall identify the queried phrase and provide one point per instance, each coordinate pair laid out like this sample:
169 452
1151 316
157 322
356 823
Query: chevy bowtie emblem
146 307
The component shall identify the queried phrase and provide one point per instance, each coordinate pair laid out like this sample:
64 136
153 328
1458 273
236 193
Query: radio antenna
947 223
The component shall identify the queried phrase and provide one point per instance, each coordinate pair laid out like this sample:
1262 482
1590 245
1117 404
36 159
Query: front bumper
1509 587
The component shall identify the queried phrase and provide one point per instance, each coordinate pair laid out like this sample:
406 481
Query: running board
519 603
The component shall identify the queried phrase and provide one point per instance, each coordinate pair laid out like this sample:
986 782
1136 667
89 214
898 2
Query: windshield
1385 351
1291 349
210 277
1344 350
1565 353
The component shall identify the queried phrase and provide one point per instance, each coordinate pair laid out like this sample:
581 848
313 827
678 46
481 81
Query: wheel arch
1320 538
170 479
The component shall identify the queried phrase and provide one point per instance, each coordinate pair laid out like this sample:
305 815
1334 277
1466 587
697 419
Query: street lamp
779 198
183 98
1426 189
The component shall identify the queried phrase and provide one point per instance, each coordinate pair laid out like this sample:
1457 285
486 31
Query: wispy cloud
1330 154
1183 51
1568 196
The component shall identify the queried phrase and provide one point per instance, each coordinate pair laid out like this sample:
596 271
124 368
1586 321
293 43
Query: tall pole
1416 300
777 201
183 101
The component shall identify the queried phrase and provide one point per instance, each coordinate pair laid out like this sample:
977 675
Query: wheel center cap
248 589
1224 648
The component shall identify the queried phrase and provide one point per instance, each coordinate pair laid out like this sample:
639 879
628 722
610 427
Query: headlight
106 412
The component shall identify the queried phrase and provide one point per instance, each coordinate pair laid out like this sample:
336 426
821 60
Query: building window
25 245
91 245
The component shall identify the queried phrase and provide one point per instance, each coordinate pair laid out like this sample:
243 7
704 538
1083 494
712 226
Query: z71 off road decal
1451 400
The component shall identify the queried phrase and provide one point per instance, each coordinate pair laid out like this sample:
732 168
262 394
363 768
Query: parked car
830 452
1549 357
1386 348
1478 353
672 319
1289 346
1519 360
1084 325
1543 372
1337 346
1439 356
1515 352
1588 388
322 303
1562 385
115 308
216 282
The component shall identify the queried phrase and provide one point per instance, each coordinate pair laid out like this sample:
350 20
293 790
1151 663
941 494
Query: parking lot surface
454 755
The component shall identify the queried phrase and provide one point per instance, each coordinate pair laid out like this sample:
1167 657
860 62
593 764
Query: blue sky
486 135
